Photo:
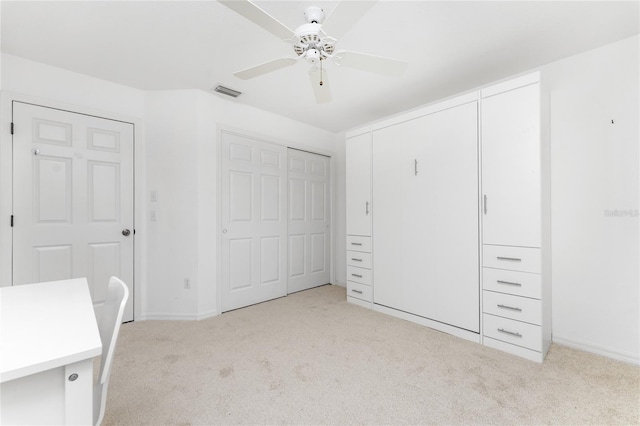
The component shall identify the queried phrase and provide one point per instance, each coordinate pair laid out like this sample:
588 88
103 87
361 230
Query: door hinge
12 127
12 221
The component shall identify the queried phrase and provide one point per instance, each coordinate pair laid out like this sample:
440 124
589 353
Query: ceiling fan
311 42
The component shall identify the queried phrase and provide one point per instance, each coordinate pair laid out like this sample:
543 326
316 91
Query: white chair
109 326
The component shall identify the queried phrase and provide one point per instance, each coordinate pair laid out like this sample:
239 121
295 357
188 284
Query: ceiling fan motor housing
308 38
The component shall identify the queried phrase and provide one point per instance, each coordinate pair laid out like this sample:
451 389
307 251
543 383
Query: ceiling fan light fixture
227 91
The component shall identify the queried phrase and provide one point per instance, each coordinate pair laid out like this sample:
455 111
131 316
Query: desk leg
78 393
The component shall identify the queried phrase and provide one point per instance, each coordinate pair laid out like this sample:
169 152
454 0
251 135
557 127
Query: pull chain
321 83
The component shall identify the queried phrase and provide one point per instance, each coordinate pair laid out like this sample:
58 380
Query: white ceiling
451 46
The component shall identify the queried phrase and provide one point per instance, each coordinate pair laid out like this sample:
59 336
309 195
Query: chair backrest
109 327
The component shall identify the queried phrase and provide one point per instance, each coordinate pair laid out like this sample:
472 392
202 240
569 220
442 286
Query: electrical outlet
187 284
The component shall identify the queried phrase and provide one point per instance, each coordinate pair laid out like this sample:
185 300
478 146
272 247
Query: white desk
48 332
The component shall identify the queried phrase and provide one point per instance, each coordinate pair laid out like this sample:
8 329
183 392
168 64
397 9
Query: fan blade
370 63
259 17
265 68
344 16
322 93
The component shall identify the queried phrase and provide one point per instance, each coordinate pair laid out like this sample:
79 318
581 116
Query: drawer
359 291
357 243
513 282
514 307
512 258
359 275
514 332
359 259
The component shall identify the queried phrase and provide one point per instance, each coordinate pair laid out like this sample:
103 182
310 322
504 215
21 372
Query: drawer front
359 291
359 259
512 258
359 275
514 307
514 332
357 243
513 282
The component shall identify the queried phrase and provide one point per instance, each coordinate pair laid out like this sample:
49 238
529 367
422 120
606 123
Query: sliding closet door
254 221
308 207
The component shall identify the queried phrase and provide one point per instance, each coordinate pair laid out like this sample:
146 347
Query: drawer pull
356 260
356 291
508 283
513 259
509 307
511 333
356 275
356 244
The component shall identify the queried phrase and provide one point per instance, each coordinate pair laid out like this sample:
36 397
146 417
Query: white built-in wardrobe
446 217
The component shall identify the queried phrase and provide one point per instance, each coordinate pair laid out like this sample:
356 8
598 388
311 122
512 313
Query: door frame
6 187
223 128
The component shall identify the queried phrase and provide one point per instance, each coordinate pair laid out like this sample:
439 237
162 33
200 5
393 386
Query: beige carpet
312 358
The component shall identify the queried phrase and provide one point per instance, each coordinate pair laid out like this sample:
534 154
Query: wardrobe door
511 167
358 176
451 183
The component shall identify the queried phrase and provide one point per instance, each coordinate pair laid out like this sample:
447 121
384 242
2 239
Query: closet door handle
510 307
366 208
415 166
485 203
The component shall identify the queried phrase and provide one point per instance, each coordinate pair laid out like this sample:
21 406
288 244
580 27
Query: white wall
43 81
183 137
594 170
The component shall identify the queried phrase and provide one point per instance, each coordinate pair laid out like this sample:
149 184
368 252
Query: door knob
126 232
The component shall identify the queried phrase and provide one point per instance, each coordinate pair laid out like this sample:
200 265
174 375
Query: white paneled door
309 236
72 199
254 221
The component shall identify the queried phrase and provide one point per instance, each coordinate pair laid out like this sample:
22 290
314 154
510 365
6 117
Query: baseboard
628 357
207 314
163 316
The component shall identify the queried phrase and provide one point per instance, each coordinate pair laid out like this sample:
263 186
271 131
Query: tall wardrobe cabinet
358 176
515 218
